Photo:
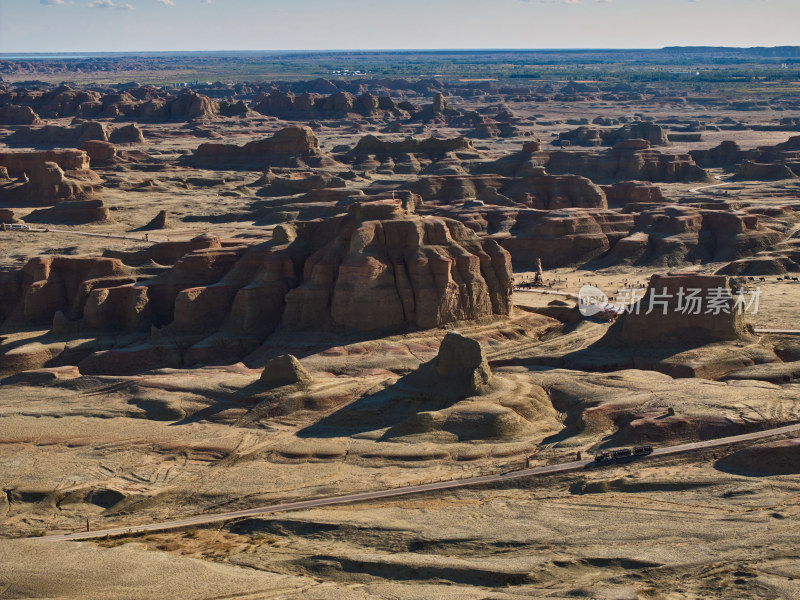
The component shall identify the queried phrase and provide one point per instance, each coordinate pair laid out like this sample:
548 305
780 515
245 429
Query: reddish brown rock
166 253
44 376
290 147
632 192
386 274
627 161
48 185
563 237
18 162
380 268
749 169
77 212
284 370
307 106
541 191
7 216
99 152
122 308
594 136
12 114
669 323
431 148
49 284
127 134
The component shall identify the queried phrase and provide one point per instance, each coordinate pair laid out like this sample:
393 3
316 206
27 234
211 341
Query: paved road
29 229
705 187
206 519
779 331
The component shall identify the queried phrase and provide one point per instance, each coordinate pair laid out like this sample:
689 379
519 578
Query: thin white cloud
52 2
166 2
109 4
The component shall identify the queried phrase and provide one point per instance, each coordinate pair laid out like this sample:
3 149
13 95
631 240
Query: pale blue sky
163 25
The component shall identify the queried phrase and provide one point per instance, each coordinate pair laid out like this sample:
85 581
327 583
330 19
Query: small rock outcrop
160 221
458 371
284 370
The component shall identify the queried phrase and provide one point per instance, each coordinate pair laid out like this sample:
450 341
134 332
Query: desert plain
219 294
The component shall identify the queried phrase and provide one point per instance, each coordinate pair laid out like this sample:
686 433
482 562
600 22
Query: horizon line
449 49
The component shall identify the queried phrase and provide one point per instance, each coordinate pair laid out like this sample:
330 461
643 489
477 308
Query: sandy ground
174 443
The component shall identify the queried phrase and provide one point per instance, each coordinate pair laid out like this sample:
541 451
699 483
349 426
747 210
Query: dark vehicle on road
603 456
642 450
622 453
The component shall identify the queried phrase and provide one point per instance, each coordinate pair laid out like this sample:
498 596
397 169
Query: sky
173 25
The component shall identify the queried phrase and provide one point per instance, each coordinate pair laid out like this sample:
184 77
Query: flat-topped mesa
432 156
563 237
391 273
13 114
683 310
627 193
75 134
340 104
631 159
537 190
289 147
781 161
429 148
18 162
595 136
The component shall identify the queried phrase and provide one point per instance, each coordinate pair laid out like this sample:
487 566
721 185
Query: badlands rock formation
377 269
628 160
48 184
340 104
539 190
75 135
459 370
666 318
383 270
18 162
289 147
593 136
12 114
